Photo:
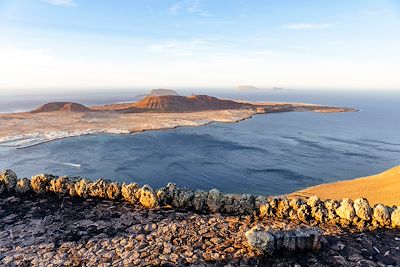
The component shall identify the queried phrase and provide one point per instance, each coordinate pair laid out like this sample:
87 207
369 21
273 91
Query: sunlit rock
41 183
362 209
129 192
8 179
23 185
147 197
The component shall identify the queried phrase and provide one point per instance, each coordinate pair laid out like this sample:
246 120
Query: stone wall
312 210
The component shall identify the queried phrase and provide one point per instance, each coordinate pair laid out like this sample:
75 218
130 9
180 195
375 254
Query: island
66 119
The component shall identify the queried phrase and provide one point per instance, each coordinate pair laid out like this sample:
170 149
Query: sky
336 44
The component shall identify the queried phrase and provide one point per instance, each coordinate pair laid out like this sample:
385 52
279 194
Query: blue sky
199 43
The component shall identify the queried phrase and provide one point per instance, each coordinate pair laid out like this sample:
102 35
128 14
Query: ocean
269 154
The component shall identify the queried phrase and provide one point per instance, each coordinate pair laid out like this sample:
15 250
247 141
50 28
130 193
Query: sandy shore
380 188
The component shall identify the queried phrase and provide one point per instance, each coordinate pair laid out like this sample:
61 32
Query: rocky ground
49 230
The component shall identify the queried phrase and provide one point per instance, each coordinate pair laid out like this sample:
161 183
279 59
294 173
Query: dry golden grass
381 188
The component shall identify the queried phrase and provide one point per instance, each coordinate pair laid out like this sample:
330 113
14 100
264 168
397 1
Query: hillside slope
379 188
62 106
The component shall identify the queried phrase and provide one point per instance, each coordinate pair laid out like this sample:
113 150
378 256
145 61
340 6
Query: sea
269 154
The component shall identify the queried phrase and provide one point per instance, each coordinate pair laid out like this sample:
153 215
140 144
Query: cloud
61 2
306 26
179 48
190 6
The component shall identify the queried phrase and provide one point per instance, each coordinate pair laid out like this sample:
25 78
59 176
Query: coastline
39 128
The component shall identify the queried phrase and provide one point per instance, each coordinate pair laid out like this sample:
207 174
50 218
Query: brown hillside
380 188
61 106
172 103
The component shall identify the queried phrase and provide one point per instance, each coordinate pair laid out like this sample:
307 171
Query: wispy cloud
61 2
306 26
191 6
179 48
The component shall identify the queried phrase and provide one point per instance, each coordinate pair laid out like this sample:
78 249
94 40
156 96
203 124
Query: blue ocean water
268 154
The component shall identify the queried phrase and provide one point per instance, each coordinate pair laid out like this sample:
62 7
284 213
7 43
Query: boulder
166 194
82 187
200 200
303 213
129 192
318 209
214 200
23 185
346 210
295 203
260 200
147 197
41 183
98 188
246 204
282 207
60 185
381 215
362 209
264 209
113 191
395 217
331 205
183 199
8 179
260 239
269 241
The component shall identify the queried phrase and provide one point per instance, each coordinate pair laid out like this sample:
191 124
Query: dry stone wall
312 210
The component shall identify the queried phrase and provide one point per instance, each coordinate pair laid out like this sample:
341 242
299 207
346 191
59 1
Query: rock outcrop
309 211
270 241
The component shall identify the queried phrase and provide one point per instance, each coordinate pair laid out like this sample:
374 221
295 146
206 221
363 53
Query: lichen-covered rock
98 188
147 197
318 209
183 199
167 194
346 210
9 179
237 204
23 185
260 239
200 200
381 215
295 203
395 217
113 190
313 201
264 209
129 192
303 213
82 187
259 200
245 204
41 183
362 209
331 205
269 241
282 208
60 185
214 200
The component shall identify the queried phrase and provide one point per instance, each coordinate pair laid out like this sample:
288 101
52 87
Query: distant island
246 88
57 120
158 92
253 88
